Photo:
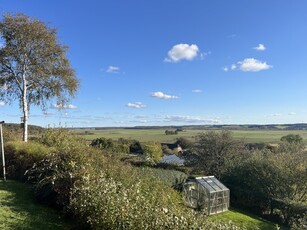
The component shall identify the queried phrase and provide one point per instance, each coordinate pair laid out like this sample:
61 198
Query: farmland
158 135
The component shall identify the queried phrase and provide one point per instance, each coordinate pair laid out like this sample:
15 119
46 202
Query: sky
175 62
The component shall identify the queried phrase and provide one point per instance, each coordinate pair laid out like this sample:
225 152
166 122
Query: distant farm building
207 194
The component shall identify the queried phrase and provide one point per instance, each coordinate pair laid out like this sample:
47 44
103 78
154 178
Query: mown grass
241 219
143 135
19 210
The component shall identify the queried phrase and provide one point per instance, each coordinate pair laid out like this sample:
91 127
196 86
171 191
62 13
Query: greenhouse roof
211 184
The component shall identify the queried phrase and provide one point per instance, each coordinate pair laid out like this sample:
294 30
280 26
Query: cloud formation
45 114
190 119
137 105
197 91
253 65
181 52
163 96
274 115
113 69
58 106
260 47
2 103
233 67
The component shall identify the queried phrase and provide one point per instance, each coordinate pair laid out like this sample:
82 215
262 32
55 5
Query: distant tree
103 143
292 138
33 65
291 144
153 150
214 152
171 132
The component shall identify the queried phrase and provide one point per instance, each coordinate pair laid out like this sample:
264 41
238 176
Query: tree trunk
25 121
25 110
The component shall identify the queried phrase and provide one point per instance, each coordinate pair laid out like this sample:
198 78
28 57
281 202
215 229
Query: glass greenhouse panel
207 194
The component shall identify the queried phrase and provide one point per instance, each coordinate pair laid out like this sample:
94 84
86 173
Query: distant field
143 135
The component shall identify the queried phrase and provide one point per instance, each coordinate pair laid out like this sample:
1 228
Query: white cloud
203 55
2 103
233 67
260 47
197 91
58 106
253 65
45 114
181 52
141 117
190 119
291 113
136 105
163 96
274 115
139 121
232 36
225 69
113 69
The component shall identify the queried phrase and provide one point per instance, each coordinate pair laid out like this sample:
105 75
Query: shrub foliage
101 191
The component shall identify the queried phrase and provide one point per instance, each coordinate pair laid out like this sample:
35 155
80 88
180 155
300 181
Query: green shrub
11 134
56 173
21 156
102 192
136 147
61 139
103 143
271 184
111 195
153 150
120 146
173 178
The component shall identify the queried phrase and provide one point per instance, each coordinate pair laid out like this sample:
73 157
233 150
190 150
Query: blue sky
176 62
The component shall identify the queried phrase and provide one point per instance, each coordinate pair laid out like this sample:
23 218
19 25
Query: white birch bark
25 108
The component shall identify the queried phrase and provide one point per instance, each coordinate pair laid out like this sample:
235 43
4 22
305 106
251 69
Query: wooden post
2 151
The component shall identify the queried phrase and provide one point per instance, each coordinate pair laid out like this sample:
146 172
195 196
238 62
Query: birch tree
33 65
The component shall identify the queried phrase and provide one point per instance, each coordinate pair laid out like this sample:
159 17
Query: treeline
14 131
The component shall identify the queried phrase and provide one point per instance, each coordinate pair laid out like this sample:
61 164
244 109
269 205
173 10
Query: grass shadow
20 210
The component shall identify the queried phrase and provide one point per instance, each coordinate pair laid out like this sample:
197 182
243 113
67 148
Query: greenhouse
207 194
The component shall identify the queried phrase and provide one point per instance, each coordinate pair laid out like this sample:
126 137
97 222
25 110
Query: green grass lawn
19 210
242 219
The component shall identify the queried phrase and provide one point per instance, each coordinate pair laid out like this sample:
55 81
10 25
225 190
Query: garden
102 189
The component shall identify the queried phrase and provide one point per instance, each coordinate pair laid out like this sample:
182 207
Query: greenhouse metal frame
207 194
